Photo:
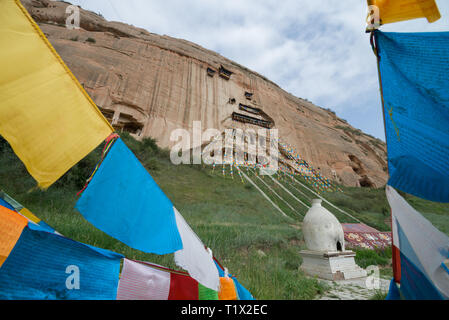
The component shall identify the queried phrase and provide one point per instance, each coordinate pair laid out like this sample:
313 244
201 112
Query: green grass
379 295
253 240
381 258
365 257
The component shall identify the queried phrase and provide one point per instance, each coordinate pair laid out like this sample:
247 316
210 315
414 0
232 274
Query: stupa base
331 265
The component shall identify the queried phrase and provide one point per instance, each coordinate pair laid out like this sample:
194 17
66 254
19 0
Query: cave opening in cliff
134 128
224 73
210 72
127 123
108 114
365 182
248 95
356 165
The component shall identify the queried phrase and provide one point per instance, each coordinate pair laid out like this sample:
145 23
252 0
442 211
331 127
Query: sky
315 49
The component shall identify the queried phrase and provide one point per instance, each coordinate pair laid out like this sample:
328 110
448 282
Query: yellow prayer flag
47 117
400 10
28 214
11 227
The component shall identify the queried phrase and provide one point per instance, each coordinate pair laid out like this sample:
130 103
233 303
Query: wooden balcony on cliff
247 119
224 73
249 109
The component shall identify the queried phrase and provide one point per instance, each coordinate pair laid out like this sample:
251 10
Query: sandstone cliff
149 84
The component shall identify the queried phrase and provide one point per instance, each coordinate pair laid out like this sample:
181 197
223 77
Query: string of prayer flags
46 266
123 200
413 71
391 11
311 175
11 227
46 116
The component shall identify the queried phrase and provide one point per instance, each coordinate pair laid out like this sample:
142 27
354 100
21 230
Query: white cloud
315 49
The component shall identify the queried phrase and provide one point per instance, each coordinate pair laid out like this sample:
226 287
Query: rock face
149 85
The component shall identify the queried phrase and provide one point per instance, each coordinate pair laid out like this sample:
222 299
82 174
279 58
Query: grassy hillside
252 239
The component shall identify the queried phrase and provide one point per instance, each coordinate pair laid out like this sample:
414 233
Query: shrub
366 257
4 145
78 174
152 164
149 145
91 40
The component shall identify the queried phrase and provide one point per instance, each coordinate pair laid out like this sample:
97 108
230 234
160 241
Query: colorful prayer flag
45 114
206 293
423 248
46 266
141 282
183 287
11 227
194 257
123 200
227 289
414 71
400 10
6 204
28 214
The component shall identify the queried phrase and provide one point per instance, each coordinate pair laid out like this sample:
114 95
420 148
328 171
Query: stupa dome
321 229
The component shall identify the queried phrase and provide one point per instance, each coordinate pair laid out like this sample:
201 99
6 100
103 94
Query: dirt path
355 289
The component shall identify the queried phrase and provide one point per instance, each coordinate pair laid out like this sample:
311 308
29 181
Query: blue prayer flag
393 292
6 205
46 266
124 201
414 71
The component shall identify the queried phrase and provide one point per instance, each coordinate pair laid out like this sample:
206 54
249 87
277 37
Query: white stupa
326 256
